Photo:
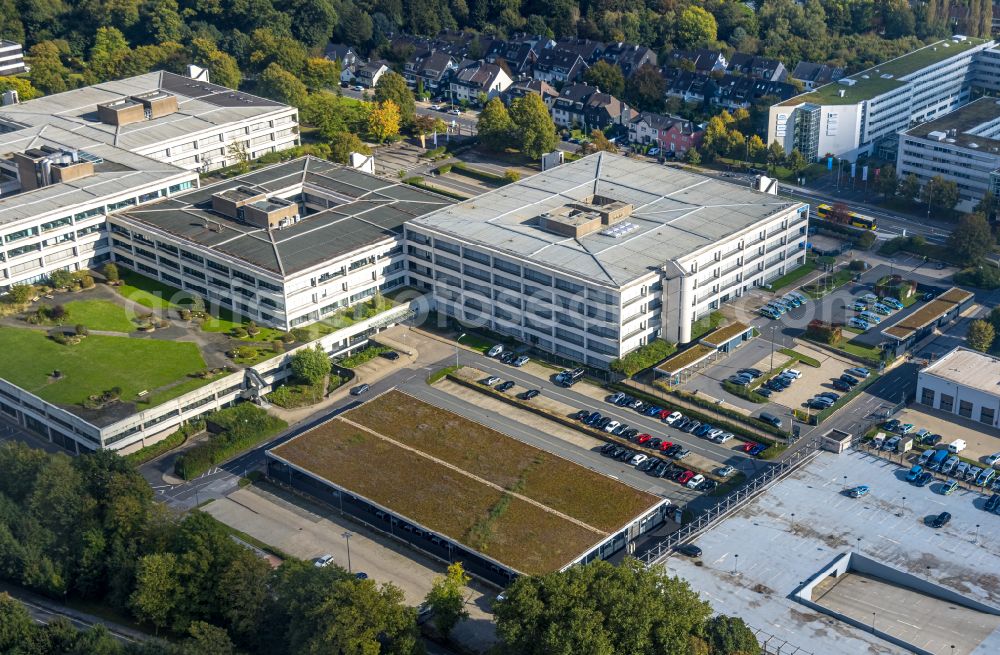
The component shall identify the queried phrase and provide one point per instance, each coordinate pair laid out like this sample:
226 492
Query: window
947 403
477 273
927 397
535 276
965 408
166 247
506 266
88 230
21 234
59 222
142 252
121 244
90 213
176 281
217 266
507 283
267 285
193 257
194 273
16 252
447 263
566 285
183 186
115 206
987 415
243 276
478 288
476 256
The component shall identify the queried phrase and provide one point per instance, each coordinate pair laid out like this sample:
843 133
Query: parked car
992 460
892 443
940 520
829 394
859 372
610 426
840 385
391 355
914 472
530 393
689 549
694 482
961 469
725 471
859 491
506 386
490 381
986 477
673 418
924 478
360 389
949 487
495 351
723 438
643 438
323 561
521 361
638 459
850 379
685 477
949 465
507 357
992 504
770 418
753 372
681 454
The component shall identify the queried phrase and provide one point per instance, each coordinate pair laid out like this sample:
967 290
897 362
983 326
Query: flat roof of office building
116 172
676 213
371 209
886 76
968 368
964 122
201 106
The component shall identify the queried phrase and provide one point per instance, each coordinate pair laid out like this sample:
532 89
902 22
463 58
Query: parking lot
982 440
805 521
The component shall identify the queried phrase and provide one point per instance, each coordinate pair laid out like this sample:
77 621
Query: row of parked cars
504 387
507 356
871 310
851 378
777 307
945 462
672 418
658 467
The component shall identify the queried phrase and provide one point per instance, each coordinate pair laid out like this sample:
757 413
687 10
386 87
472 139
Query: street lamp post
859 544
456 348
977 535
347 534
736 562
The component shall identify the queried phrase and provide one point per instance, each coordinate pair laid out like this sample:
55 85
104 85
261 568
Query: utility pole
347 534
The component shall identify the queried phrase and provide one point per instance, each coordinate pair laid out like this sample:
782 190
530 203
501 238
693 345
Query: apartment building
856 113
599 256
962 146
11 58
171 118
284 246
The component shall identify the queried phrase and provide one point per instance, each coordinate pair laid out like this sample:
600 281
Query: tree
495 126
941 193
108 54
237 150
222 68
207 638
692 156
886 181
995 319
278 84
384 120
110 272
20 294
334 114
48 73
600 143
25 90
61 278
534 130
645 88
243 591
971 240
987 205
311 365
157 590
714 140
796 162
696 27
909 187
730 635
321 73
840 213
607 77
16 626
755 146
581 610
447 598
736 144
981 335
775 155
342 144
392 86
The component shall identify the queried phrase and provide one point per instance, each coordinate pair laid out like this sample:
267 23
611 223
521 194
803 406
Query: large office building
962 146
597 257
285 246
171 118
857 113
963 382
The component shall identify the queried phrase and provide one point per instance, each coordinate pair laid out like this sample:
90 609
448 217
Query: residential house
557 66
705 61
369 74
524 87
346 57
628 57
761 68
519 57
431 70
476 80
588 108
727 91
589 51
669 133
814 75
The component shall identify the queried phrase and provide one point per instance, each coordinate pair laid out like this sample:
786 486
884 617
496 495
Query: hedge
176 439
440 373
918 246
643 357
808 361
241 426
485 176
743 392
362 356
981 277
418 182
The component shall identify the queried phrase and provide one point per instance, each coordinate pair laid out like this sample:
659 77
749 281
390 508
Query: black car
923 479
581 415
617 451
654 442
752 372
940 520
603 423
660 469
360 389
849 379
504 386
992 503
892 425
391 355
932 439
529 394
650 463
840 385
763 391
817 403
618 431
625 400
508 357
689 549
829 394
593 418
673 450
627 455
630 433
708 485
609 448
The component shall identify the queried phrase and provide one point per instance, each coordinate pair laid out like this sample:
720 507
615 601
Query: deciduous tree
696 27
756 147
157 589
981 335
495 126
311 365
48 73
447 599
535 132
909 187
607 77
971 240
728 635
384 120
392 86
645 88
279 84
940 193
342 144
775 155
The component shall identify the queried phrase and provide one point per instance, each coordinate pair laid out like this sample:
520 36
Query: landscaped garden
98 315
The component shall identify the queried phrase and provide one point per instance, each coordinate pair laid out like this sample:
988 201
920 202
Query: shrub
239 332
60 279
19 294
57 313
440 373
511 175
311 365
981 277
81 330
444 170
177 438
236 428
288 337
858 265
643 357
86 281
362 356
185 314
824 332
252 329
110 272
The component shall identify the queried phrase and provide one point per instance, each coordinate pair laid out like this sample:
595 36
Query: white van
956 446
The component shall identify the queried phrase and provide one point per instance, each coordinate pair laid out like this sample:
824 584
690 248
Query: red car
663 414
685 477
748 446
665 445
643 438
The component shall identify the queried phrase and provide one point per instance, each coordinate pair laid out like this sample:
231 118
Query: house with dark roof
557 66
590 51
477 79
431 70
669 133
705 61
370 73
814 75
346 57
524 87
628 56
761 68
519 57
587 107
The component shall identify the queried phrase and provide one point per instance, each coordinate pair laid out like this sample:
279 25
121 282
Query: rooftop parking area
806 521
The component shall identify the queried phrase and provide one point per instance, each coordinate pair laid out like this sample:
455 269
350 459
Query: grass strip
440 373
793 276
804 359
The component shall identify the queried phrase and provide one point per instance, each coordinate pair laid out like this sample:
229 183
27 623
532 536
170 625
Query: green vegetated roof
875 84
682 360
725 334
927 314
429 464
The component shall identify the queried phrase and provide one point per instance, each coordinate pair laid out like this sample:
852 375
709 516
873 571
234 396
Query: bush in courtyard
110 272
311 365
643 357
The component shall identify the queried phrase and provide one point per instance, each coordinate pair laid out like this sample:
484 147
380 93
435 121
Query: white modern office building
855 114
171 118
287 245
11 58
963 382
597 257
962 146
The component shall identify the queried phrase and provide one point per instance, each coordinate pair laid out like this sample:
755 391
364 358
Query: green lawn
96 364
706 324
150 293
98 315
793 276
